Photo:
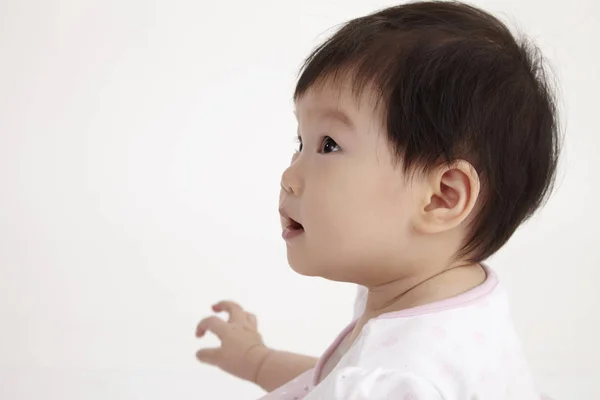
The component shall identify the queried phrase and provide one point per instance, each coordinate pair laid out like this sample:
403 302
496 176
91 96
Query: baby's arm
243 353
281 367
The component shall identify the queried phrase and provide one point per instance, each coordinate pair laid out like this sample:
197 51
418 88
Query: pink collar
477 293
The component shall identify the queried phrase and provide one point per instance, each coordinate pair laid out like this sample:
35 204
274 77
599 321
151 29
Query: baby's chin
302 267
314 268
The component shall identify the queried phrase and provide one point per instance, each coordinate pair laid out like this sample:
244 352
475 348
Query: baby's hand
242 349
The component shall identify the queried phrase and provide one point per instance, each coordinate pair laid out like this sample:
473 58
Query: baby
427 135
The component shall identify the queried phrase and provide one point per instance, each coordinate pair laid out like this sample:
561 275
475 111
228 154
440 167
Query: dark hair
454 83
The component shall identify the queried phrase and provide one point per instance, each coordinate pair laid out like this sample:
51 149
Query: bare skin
243 353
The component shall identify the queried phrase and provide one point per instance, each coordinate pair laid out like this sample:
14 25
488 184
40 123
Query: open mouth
294 225
292 229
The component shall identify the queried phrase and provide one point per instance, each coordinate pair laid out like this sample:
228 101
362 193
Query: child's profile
427 134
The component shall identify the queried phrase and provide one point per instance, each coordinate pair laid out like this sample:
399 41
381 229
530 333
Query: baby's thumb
208 356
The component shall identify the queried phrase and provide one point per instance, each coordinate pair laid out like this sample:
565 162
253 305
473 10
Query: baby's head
427 136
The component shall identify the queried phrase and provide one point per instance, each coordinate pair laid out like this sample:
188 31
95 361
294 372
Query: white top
360 301
463 348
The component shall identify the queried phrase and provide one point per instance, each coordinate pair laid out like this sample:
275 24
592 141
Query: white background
141 145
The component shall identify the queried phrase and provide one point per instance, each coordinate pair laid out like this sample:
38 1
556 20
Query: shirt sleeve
355 383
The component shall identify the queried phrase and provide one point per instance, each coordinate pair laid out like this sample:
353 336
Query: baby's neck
410 292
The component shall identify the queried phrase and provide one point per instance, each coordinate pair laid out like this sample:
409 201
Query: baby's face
346 205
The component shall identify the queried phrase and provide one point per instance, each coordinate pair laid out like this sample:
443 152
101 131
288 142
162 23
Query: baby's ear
448 197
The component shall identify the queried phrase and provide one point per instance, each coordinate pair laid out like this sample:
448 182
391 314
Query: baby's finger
252 319
208 356
235 311
214 324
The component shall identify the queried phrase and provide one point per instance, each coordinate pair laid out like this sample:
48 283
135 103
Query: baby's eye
329 145
299 141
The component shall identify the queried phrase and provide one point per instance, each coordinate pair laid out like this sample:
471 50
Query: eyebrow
338 115
334 114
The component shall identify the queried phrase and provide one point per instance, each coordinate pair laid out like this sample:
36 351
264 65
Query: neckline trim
461 300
